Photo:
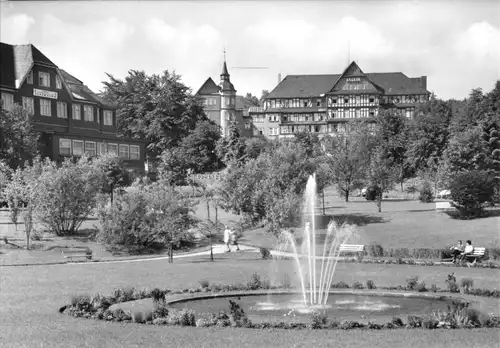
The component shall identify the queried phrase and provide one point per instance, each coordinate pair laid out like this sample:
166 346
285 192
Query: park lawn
31 297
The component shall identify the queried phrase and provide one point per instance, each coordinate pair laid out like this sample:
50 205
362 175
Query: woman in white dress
227 238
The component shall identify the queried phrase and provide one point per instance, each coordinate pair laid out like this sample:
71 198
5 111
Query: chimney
423 82
279 78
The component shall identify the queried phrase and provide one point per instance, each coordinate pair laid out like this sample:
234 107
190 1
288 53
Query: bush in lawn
411 283
375 250
204 283
265 253
255 282
470 191
434 288
65 195
426 194
466 284
396 321
451 282
340 285
420 287
357 285
370 284
155 215
318 319
414 321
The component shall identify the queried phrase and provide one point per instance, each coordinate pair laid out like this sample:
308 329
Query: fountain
315 293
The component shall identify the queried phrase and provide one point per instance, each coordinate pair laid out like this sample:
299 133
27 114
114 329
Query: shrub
396 321
434 288
348 324
187 318
357 285
426 194
469 191
451 282
414 321
140 217
318 319
80 300
372 192
372 325
466 284
340 285
420 287
430 323
370 284
411 283
375 250
255 282
265 253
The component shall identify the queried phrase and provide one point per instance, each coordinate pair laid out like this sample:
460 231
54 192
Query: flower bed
98 306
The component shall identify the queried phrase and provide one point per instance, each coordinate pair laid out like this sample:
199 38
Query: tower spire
225 73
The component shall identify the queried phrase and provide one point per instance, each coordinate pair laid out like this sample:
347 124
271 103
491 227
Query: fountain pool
340 305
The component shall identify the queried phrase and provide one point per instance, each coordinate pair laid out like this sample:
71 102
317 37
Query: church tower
227 100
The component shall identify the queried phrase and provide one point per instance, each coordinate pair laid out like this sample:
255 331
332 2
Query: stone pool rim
187 297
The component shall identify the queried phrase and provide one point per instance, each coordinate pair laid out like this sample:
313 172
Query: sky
456 44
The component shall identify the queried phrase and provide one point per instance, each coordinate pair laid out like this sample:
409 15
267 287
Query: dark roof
303 86
209 87
70 78
7 70
82 92
224 69
397 83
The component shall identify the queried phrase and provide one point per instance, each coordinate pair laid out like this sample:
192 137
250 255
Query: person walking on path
234 238
227 238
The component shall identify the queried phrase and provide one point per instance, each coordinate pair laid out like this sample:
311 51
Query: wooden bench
477 254
69 254
351 248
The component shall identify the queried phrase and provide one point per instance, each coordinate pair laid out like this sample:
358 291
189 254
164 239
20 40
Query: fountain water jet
316 292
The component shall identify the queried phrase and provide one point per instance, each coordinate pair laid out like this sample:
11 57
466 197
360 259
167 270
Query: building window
43 79
8 101
134 152
108 118
77 112
123 151
346 100
62 110
102 148
248 125
77 147
58 82
90 148
28 105
45 107
318 102
29 78
113 149
65 147
372 99
88 111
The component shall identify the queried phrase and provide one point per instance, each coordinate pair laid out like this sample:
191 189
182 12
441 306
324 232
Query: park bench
477 254
69 254
351 248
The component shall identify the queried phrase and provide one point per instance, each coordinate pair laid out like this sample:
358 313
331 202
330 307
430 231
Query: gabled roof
81 92
303 86
353 71
397 83
209 87
25 56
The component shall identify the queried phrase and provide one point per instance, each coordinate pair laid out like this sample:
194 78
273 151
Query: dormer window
44 79
58 82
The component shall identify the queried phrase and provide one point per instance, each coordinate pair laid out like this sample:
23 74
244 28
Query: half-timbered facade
324 103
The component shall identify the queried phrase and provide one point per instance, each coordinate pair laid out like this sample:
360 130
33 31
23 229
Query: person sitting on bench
456 250
469 249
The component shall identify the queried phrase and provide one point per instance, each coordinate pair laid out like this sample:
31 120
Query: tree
309 141
114 174
231 149
381 174
199 147
466 150
470 190
157 108
255 146
348 158
392 138
250 100
269 189
428 137
18 138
